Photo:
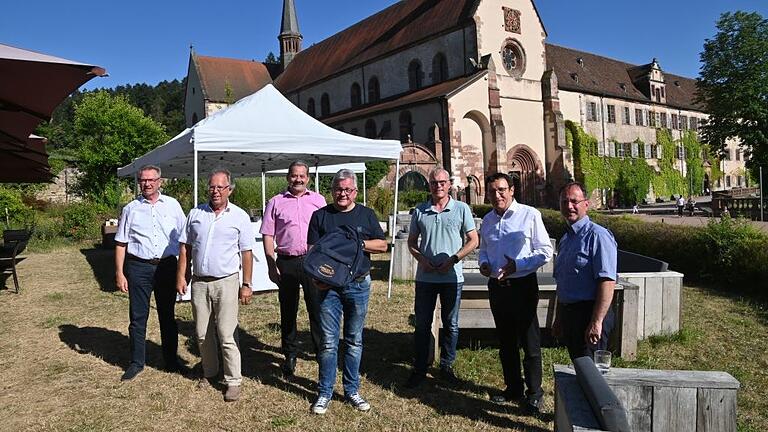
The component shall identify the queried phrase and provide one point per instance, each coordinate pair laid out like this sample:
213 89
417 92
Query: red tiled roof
604 76
398 26
244 77
425 94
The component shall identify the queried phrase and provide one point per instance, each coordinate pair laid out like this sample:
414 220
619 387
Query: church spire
290 37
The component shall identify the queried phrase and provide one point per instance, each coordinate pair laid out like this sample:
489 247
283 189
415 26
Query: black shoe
178 368
447 375
506 396
131 372
415 380
533 405
289 366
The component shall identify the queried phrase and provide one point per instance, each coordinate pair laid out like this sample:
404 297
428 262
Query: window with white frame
675 122
663 117
611 113
684 122
639 117
625 116
651 119
694 124
591 111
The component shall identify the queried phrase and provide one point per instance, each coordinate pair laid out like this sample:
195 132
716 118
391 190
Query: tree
110 133
272 59
733 85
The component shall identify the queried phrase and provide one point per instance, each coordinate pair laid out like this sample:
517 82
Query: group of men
156 243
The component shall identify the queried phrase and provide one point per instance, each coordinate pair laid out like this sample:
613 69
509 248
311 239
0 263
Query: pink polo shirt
286 217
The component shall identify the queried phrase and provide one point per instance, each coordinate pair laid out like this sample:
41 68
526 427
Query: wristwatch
247 284
455 259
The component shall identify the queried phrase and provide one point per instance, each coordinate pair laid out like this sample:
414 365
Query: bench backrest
629 262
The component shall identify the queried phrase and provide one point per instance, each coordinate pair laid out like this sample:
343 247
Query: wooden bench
655 400
475 312
14 243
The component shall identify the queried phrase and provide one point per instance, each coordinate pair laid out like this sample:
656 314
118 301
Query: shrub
83 220
480 210
381 201
13 212
411 198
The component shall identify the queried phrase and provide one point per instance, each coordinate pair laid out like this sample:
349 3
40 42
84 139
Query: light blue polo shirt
442 235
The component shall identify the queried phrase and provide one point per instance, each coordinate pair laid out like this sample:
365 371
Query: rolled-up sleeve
541 247
121 236
604 253
247 238
268 222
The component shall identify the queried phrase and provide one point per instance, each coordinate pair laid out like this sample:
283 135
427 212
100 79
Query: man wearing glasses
514 245
286 220
442 233
585 271
218 238
350 301
147 243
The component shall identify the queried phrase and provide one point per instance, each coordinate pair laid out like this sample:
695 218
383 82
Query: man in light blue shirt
146 246
442 233
585 271
219 239
514 244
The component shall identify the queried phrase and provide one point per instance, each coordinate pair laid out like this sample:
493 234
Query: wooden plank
653 304
670 312
671 378
716 410
572 411
674 409
640 282
628 336
638 401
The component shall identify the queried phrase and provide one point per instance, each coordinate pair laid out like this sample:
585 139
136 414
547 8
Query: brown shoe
204 383
232 394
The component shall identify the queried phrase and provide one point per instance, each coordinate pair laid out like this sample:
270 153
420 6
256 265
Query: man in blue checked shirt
514 245
585 271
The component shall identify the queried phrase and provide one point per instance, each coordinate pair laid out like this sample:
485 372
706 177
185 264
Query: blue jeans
424 307
351 302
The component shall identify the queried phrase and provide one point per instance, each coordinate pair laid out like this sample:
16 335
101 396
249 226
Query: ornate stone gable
511 20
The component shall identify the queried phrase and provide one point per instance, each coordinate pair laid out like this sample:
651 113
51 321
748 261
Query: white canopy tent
260 133
357 167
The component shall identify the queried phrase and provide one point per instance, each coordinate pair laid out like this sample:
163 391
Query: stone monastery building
471 85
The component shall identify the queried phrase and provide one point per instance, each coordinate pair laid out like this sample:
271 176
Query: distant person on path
680 205
691 206
585 271
147 244
350 301
514 245
219 240
442 233
284 228
725 213
635 209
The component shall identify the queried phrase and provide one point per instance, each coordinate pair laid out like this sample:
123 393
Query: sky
143 41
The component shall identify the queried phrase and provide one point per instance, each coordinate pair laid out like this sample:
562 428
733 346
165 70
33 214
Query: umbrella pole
392 231
194 178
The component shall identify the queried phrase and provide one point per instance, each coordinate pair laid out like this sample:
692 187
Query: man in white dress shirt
514 245
219 239
147 243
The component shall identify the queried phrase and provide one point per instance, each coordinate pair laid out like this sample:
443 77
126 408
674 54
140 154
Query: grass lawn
64 345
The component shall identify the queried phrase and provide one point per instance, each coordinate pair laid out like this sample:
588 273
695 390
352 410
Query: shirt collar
513 207
143 200
579 225
288 194
208 207
448 206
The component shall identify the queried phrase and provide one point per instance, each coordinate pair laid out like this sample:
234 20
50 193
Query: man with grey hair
284 227
146 246
350 301
442 233
219 239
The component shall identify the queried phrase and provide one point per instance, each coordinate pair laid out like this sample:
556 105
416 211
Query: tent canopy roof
260 133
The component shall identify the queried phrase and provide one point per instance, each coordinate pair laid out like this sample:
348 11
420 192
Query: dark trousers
513 305
143 279
575 318
291 276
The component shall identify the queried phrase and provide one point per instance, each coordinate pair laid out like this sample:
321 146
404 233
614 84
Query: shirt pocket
581 262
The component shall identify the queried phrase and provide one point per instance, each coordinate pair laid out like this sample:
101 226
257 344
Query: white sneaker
358 402
321 405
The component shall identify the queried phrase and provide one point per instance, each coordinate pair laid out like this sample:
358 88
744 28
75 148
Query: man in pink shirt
284 228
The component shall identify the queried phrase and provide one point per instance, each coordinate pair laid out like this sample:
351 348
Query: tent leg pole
194 179
392 231
365 190
263 192
317 179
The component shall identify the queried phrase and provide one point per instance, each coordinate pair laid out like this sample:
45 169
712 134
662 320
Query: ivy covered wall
632 179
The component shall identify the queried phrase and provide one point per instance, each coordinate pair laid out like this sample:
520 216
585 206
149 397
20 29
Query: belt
289 257
153 261
362 277
510 282
196 278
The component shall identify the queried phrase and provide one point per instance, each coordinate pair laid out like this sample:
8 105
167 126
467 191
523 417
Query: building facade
472 86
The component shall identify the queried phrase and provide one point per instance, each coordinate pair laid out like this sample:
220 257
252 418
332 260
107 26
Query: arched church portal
527 174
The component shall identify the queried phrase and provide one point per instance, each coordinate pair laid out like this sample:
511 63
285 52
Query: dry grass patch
64 346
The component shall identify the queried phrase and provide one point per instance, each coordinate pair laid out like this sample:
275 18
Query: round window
513 58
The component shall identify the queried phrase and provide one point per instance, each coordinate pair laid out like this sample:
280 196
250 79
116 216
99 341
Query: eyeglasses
572 202
501 191
149 180
347 191
217 188
434 183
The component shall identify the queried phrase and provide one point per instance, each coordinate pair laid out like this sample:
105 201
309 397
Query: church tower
290 37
